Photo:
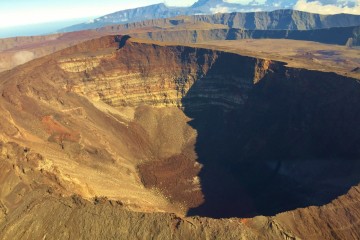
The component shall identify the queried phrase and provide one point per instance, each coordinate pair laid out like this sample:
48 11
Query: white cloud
245 2
182 3
221 9
318 7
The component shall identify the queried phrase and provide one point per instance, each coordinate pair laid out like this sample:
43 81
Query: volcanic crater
186 130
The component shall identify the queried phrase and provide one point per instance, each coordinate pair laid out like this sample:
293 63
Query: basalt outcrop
139 140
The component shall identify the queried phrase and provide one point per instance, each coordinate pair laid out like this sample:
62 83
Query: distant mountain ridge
131 15
155 11
281 20
349 36
275 20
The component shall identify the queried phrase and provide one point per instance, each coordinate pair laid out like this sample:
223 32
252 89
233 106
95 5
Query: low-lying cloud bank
318 7
224 9
314 6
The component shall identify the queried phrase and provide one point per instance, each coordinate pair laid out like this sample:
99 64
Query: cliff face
119 137
341 36
281 19
275 20
162 76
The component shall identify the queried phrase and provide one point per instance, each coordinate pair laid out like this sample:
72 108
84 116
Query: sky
26 12
30 12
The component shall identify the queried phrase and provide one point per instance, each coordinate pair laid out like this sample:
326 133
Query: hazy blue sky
24 12
28 12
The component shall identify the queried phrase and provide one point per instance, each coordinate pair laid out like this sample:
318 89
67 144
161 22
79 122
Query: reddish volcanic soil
176 177
59 133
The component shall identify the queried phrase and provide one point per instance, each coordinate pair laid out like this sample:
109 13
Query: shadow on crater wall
122 40
293 139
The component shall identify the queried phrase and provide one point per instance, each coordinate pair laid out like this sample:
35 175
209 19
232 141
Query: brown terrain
169 136
299 54
189 31
19 50
137 139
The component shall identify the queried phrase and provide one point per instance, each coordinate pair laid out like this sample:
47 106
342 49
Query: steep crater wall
292 143
269 138
162 76
265 131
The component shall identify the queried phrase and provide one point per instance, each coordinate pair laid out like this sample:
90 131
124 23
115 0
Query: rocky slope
123 139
